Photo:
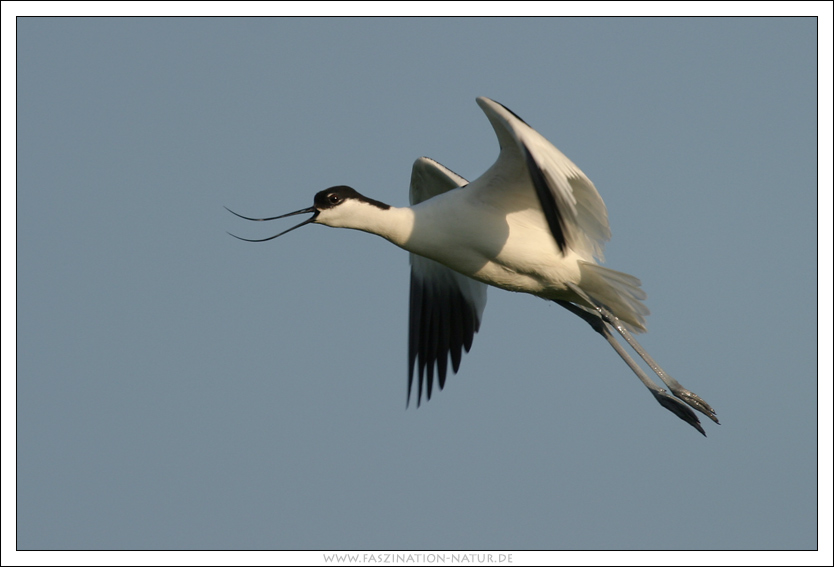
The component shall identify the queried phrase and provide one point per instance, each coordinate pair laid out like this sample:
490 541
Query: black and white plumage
532 223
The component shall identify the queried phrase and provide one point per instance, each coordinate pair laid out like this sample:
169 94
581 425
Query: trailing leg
677 389
670 403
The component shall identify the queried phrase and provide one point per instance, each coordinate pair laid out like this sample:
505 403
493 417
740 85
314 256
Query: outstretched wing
445 307
575 213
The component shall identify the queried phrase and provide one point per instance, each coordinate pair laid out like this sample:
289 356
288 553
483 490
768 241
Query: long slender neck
392 223
395 224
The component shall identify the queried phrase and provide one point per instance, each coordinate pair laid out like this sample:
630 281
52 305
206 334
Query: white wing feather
577 202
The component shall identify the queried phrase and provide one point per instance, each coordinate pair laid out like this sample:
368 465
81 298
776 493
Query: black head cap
335 196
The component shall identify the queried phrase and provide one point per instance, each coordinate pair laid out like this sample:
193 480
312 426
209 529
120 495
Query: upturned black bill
301 212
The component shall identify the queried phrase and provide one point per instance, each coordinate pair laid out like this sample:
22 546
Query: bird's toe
679 409
698 403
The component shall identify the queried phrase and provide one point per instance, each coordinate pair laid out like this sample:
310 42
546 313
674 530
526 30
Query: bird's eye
334 198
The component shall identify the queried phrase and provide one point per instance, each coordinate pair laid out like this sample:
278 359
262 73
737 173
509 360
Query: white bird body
532 223
505 257
433 229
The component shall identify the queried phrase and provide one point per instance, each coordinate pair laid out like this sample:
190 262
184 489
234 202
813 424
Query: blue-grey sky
180 389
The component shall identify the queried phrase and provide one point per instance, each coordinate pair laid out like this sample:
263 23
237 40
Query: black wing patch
441 323
547 201
511 112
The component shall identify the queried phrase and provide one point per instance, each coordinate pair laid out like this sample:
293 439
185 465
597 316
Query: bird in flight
532 223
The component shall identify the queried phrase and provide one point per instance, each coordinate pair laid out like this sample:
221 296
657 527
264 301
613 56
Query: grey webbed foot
696 402
679 409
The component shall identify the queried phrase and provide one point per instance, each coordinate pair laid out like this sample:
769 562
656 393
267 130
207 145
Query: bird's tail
618 291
